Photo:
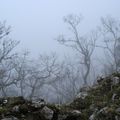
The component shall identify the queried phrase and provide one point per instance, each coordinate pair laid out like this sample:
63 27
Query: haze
37 22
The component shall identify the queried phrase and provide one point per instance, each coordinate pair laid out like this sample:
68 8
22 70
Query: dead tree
21 66
43 72
83 44
67 87
6 56
110 31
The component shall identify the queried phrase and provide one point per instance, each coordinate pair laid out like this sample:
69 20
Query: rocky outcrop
98 102
102 101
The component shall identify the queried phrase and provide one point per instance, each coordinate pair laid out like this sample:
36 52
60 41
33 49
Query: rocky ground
99 102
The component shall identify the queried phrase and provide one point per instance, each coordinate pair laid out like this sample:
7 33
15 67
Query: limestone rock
82 95
10 118
15 108
76 112
118 110
47 112
74 115
115 80
38 103
62 117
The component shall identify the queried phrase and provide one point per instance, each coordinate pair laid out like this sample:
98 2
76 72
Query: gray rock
47 112
38 103
85 88
115 80
3 101
10 118
82 95
92 107
76 112
115 97
103 110
92 117
62 117
15 109
74 115
118 110
117 117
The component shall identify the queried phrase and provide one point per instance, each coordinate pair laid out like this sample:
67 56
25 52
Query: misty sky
37 22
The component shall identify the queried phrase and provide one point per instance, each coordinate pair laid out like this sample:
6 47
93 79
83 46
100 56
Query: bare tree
67 87
21 66
43 72
110 31
6 56
84 45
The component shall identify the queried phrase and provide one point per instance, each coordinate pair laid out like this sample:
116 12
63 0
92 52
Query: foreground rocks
99 102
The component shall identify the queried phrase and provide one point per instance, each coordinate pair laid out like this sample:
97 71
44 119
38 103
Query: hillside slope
99 102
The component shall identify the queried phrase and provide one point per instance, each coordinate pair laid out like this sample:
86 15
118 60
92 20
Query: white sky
37 22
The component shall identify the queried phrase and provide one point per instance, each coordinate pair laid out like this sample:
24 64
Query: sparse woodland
21 75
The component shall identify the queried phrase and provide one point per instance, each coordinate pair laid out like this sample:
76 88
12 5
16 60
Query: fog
36 23
65 56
